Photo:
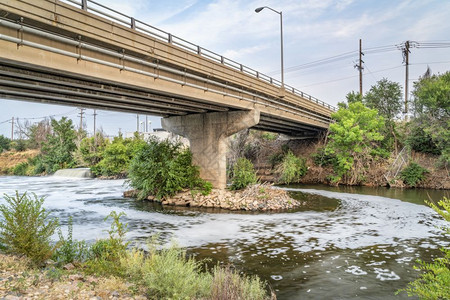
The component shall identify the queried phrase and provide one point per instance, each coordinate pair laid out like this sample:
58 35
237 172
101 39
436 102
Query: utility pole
12 128
95 117
81 113
406 60
137 123
360 68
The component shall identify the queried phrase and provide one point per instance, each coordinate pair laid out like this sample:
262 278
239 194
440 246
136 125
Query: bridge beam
207 134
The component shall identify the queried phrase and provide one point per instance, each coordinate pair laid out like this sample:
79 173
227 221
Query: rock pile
259 197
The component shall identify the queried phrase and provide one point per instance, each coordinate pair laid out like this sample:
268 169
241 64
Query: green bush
27 227
292 168
421 141
434 283
4 143
243 174
21 169
413 174
322 158
162 169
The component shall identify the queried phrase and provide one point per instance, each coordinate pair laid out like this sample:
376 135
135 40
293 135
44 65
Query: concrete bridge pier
207 134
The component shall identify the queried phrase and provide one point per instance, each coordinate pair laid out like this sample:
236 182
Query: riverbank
437 177
20 281
258 197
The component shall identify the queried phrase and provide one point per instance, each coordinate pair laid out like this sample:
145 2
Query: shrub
322 158
169 274
227 284
27 228
421 141
413 174
161 168
21 169
292 168
4 143
435 282
243 174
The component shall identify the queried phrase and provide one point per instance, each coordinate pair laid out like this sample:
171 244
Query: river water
345 243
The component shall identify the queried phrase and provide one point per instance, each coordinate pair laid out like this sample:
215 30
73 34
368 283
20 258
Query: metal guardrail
115 16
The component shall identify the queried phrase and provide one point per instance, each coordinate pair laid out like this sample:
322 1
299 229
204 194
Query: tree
386 97
432 110
351 98
57 151
355 140
4 143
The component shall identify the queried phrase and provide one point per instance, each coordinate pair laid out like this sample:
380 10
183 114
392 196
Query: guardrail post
133 23
271 80
84 5
199 50
222 60
170 38
241 67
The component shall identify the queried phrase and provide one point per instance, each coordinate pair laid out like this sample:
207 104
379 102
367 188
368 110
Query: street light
281 34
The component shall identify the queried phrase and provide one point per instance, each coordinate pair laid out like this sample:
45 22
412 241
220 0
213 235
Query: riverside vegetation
359 149
119 271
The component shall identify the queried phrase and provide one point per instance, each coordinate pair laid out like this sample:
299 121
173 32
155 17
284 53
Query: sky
321 44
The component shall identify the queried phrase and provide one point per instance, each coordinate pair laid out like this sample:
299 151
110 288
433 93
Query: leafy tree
162 169
90 151
351 98
4 143
37 134
386 97
355 140
57 151
117 155
432 109
243 174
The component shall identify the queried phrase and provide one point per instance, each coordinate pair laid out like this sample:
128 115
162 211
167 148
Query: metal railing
115 16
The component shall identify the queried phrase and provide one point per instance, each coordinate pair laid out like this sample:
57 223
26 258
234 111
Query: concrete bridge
81 53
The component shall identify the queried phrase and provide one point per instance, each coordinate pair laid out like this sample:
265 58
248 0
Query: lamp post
281 35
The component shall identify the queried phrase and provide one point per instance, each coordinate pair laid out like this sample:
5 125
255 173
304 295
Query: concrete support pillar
207 134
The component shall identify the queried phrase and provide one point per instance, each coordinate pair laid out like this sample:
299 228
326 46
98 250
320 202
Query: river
345 243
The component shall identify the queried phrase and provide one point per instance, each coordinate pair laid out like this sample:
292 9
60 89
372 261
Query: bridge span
81 53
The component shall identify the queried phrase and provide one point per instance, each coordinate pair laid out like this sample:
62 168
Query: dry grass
10 159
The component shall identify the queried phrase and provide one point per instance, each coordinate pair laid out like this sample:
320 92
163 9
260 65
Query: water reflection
339 245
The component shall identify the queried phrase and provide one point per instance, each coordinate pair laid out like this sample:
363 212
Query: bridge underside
26 82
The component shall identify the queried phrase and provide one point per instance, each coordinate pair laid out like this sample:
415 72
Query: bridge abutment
207 134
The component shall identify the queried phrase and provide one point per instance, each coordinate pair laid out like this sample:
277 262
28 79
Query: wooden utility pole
137 123
360 69
81 118
95 117
406 58
12 128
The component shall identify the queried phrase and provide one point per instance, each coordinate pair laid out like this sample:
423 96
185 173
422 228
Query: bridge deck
57 53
